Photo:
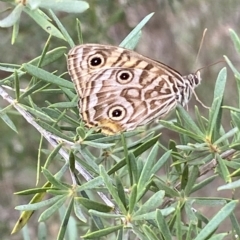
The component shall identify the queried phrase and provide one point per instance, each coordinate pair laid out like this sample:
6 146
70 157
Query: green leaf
7 120
231 185
35 206
64 105
108 182
131 40
51 210
132 199
60 25
235 39
149 232
215 111
194 173
139 150
216 220
178 129
78 211
190 212
222 168
42 231
64 223
53 180
103 232
188 122
235 223
89 204
162 225
47 77
152 203
169 191
13 17
40 18
147 171
152 215
63 5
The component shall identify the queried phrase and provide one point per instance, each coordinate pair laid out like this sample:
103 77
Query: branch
53 140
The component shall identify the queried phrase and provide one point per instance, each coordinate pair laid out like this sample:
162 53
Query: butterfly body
120 89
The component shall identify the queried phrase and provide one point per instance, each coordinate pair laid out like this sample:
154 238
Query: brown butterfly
120 89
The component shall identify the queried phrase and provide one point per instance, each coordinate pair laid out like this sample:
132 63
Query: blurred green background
172 36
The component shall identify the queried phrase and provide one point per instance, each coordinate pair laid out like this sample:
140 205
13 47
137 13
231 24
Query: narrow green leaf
222 168
235 223
159 163
120 191
147 171
50 56
38 205
180 130
64 105
32 191
53 180
162 225
235 39
139 150
7 120
149 232
46 76
194 173
54 130
102 233
89 204
169 191
39 17
188 122
63 5
106 215
15 31
219 236
131 40
132 199
64 223
152 215
190 212
203 183
235 71
13 17
185 176
215 111
172 146
51 210
231 185
98 145
133 167
210 201
152 203
17 89
38 113
216 220
58 22
78 211
42 231
108 182
52 155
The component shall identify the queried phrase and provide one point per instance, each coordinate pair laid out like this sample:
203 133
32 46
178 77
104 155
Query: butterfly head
192 80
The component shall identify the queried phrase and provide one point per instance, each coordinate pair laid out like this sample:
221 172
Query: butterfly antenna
200 47
211 64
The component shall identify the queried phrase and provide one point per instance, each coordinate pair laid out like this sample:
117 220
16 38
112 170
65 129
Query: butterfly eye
117 113
96 60
124 77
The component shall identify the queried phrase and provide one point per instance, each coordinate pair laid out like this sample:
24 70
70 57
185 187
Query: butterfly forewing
120 89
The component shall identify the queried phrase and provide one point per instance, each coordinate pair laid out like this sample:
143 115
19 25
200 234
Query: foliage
114 186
